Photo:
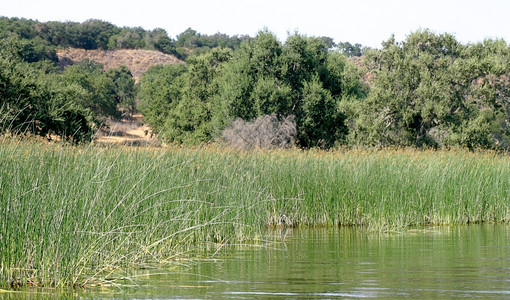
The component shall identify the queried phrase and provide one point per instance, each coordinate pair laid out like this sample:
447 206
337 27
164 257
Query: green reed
75 216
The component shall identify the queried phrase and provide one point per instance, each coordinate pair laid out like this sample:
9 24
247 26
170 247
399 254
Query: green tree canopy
430 90
101 100
190 121
34 101
159 90
123 88
301 78
296 78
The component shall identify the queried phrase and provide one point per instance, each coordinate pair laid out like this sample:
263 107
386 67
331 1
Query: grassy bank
76 215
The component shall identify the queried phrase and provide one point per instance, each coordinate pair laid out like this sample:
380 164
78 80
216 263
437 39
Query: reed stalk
78 215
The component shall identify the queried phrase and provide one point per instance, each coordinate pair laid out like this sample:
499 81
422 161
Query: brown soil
137 60
128 131
367 76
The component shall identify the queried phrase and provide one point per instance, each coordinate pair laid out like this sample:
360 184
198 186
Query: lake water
436 262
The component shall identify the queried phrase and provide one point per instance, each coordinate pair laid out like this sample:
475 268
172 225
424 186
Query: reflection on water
446 262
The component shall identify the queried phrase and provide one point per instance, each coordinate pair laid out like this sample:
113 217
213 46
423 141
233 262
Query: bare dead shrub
264 132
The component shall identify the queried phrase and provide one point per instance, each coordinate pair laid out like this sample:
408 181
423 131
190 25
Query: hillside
137 60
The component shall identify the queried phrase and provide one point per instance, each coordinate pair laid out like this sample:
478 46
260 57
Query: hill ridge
136 60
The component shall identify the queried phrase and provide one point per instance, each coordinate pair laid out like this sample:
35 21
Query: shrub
264 132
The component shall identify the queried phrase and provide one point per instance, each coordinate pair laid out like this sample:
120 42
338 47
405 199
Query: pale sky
368 22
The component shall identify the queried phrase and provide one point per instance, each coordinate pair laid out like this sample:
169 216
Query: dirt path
131 132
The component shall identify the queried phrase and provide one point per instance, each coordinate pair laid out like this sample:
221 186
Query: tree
300 78
190 42
128 38
161 42
432 91
36 102
94 34
191 119
322 122
101 100
159 90
351 50
35 50
123 87
20 27
17 88
62 114
253 73
328 42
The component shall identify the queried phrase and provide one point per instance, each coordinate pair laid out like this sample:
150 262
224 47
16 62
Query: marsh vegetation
80 215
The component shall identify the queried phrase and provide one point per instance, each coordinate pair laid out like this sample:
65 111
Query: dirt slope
128 131
137 60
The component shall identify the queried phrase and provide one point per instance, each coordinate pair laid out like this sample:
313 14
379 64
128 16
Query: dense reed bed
79 215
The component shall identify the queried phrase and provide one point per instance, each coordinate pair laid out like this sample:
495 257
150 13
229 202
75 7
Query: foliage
36 98
190 121
139 38
35 50
426 91
91 34
432 91
123 88
159 90
25 29
264 77
317 129
62 114
32 101
98 34
101 98
190 42
351 50
300 78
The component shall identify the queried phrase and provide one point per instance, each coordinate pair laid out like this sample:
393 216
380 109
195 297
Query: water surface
438 262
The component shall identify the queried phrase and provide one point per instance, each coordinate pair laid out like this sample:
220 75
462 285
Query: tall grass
76 215
70 215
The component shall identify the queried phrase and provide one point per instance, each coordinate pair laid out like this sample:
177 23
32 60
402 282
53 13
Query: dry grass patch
128 131
137 60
